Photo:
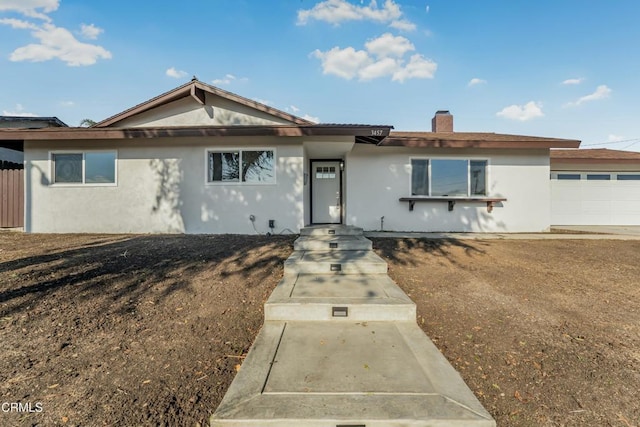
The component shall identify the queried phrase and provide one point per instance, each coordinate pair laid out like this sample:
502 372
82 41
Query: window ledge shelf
490 201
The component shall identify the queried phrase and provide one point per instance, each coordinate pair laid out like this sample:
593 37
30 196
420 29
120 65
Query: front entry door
326 199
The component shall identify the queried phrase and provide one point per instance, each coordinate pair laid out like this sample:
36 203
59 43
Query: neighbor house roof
197 89
594 155
31 122
371 134
473 140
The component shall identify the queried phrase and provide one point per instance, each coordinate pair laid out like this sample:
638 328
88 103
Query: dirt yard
150 330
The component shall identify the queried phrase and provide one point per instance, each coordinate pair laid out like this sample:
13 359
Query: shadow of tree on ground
126 267
402 251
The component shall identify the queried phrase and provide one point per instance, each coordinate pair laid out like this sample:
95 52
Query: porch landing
344 350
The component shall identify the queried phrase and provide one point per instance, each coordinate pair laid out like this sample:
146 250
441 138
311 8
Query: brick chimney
442 122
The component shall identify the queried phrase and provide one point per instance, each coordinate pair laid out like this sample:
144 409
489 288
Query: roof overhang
595 156
362 133
592 161
473 140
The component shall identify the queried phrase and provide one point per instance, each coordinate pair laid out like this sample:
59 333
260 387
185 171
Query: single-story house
198 159
595 187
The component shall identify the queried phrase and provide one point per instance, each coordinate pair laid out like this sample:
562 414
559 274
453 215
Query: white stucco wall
161 189
378 176
188 112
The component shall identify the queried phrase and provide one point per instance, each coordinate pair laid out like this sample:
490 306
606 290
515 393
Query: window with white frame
241 166
84 167
448 177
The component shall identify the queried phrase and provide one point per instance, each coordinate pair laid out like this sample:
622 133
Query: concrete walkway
340 346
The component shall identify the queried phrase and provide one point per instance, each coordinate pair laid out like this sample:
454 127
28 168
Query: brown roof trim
365 133
595 155
196 89
473 140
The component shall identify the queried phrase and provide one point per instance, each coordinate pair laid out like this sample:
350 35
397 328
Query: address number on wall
377 132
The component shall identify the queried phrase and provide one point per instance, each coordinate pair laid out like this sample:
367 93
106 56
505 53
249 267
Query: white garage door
595 198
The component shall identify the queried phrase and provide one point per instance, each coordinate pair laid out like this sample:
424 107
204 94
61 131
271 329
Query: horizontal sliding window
569 176
598 177
448 177
241 166
90 167
629 177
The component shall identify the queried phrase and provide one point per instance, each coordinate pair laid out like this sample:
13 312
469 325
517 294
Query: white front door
326 200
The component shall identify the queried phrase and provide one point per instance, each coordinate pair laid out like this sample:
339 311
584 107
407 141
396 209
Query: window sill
80 185
452 200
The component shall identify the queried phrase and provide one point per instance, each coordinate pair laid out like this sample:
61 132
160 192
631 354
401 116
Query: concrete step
331 230
334 262
324 374
332 243
341 298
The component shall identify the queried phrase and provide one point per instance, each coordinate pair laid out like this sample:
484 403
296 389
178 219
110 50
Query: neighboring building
595 187
198 159
11 151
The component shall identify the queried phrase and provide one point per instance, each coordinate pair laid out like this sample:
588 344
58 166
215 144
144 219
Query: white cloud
54 42
18 24
227 79
311 118
294 108
418 67
529 111
262 101
381 68
67 103
31 8
573 81
384 56
345 63
403 25
90 31
601 92
476 81
18 112
337 11
59 43
616 138
389 45
176 74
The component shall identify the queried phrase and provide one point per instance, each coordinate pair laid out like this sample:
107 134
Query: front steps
347 298
340 347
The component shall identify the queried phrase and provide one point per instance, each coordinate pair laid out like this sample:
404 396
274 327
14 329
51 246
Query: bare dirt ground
150 330
545 332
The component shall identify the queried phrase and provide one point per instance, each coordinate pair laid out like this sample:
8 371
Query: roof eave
372 134
450 143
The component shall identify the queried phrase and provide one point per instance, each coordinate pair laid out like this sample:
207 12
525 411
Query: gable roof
473 140
595 155
197 89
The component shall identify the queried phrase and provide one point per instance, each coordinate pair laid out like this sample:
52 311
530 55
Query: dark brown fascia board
593 161
52 134
444 143
197 89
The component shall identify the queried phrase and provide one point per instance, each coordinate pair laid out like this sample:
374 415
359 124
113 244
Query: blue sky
564 69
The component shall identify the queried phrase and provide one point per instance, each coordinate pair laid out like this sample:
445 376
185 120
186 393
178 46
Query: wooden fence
11 198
